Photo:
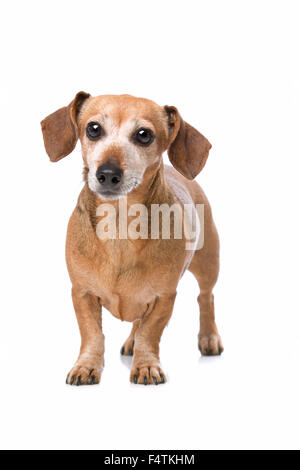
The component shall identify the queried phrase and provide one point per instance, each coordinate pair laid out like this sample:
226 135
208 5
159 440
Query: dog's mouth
109 194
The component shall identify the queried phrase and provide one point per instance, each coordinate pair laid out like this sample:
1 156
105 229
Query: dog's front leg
88 368
146 367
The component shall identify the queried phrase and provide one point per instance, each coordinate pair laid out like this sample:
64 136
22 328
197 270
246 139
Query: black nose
109 175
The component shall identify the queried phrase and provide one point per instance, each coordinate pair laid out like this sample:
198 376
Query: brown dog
123 139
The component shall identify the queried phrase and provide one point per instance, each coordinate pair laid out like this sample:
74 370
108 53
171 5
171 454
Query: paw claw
78 381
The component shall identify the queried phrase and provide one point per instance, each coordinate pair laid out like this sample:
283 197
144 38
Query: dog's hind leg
205 267
128 346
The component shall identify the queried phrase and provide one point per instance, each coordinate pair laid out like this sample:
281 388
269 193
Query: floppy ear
188 149
60 130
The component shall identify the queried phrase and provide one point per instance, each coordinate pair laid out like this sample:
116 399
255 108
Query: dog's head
122 137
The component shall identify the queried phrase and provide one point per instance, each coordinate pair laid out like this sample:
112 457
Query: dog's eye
144 136
94 131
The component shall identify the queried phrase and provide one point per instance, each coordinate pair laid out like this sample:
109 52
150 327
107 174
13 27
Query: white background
232 69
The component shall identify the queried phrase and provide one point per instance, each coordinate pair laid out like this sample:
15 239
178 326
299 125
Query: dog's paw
127 348
148 375
81 375
210 345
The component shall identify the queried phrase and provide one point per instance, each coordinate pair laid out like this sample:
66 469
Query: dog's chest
128 277
125 281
